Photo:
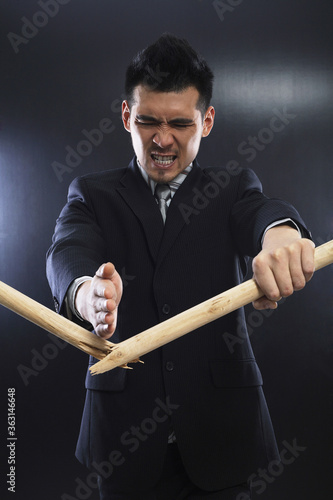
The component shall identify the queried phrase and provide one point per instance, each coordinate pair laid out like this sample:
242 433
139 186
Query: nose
163 138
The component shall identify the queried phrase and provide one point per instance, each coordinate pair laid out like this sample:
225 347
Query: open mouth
163 160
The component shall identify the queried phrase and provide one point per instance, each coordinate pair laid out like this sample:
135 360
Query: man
192 421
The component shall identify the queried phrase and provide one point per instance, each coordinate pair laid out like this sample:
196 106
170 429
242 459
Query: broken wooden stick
53 322
113 355
193 318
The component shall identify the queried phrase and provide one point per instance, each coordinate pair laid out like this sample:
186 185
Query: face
166 130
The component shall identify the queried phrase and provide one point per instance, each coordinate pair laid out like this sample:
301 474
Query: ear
208 121
126 114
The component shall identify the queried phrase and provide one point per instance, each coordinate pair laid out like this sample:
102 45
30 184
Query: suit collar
138 196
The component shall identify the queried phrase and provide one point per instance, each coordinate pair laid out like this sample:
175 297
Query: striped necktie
163 194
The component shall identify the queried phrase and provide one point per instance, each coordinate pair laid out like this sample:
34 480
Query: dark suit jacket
210 391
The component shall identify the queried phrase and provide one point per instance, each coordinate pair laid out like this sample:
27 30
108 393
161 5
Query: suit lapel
175 220
138 196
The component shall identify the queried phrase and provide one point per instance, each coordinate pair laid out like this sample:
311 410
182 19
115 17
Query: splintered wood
193 318
129 351
54 323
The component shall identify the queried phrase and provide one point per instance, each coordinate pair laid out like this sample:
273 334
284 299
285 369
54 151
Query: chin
164 176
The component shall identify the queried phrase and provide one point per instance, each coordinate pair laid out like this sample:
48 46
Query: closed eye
181 125
154 124
147 124
145 121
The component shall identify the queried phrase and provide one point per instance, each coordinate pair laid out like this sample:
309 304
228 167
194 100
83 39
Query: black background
267 55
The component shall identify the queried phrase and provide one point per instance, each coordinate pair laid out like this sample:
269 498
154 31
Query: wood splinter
54 323
129 351
193 318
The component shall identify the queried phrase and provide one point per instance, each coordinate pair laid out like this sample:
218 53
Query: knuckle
278 253
259 263
308 275
299 283
287 291
111 305
309 268
274 296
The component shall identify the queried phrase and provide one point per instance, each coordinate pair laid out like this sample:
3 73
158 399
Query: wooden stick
193 318
53 322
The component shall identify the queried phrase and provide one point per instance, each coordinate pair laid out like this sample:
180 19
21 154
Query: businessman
136 245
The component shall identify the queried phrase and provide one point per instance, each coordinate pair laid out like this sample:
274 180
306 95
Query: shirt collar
174 184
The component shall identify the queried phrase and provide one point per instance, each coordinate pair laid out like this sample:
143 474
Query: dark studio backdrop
62 72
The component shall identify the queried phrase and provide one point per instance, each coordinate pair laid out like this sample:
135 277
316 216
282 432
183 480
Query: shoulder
105 180
112 176
232 176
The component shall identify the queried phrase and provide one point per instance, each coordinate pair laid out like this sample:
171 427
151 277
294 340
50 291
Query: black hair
170 65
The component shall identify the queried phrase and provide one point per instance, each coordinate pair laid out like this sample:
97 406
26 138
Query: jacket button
169 366
166 309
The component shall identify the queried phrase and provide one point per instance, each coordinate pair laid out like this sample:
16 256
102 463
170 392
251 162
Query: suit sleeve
253 212
78 246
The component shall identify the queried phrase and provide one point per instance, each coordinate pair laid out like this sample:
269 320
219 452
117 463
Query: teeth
163 160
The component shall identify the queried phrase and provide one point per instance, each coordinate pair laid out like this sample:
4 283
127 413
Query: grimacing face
166 129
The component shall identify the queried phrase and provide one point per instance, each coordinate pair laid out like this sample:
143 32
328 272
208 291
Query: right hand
97 300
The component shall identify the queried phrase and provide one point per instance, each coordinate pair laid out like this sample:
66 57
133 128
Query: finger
265 279
106 271
307 259
105 305
301 263
264 303
286 265
107 328
278 282
295 269
109 277
104 331
105 289
104 318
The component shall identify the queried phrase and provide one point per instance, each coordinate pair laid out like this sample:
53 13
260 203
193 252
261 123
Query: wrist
281 235
80 298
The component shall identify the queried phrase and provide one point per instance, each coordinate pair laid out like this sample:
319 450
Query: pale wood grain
193 318
129 351
53 322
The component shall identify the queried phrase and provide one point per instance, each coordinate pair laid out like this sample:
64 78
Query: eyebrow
147 118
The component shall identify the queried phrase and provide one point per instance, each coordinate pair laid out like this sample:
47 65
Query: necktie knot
162 191
163 194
